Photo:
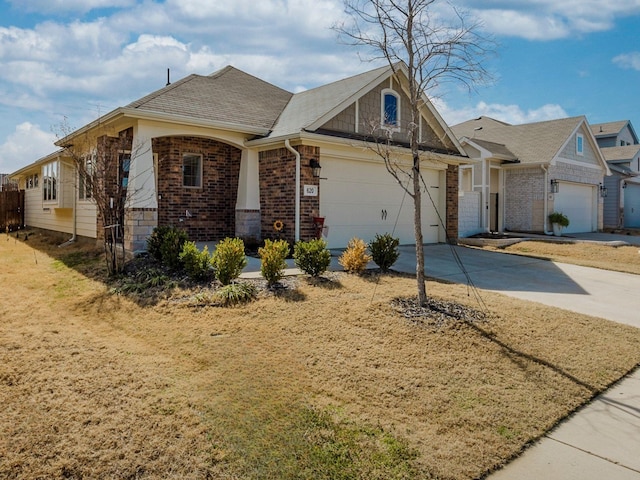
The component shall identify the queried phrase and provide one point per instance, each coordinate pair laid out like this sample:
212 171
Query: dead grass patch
334 383
620 259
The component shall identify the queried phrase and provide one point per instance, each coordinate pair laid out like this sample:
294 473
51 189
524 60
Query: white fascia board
135 113
194 122
46 159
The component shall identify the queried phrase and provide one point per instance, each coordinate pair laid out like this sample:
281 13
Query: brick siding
452 204
277 192
211 207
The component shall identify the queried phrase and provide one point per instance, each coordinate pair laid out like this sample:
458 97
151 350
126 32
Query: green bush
273 256
312 257
384 251
559 218
355 258
228 260
196 263
165 245
235 293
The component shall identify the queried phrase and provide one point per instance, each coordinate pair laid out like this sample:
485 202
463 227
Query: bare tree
435 42
102 163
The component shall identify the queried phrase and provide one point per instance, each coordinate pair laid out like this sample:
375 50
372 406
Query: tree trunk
417 224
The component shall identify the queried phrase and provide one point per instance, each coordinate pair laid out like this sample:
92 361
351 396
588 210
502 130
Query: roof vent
168 78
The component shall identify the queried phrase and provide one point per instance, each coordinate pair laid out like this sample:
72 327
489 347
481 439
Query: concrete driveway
601 293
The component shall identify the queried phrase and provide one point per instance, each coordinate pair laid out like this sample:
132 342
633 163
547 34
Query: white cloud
550 19
55 6
513 114
24 146
628 60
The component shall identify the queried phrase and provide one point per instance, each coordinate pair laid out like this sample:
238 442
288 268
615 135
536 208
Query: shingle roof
628 152
498 149
608 129
307 107
228 96
530 143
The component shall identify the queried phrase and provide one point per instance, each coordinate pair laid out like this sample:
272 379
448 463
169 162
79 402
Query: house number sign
310 190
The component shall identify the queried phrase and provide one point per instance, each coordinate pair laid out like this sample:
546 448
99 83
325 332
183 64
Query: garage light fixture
603 191
555 186
315 167
624 184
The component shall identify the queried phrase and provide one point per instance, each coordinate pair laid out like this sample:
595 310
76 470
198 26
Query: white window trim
185 154
54 178
579 144
82 184
383 123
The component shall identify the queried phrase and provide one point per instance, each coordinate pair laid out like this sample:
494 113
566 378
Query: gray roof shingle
530 143
628 152
227 96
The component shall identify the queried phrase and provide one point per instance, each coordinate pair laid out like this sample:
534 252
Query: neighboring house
522 173
620 147
6 183
230 155
614 134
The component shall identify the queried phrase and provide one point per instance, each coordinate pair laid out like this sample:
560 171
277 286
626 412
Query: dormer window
579 144
390 109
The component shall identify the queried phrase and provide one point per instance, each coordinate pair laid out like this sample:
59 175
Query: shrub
273 256
312 257
196 263
384 251
165 245
228 260
355 258
559 218
235 293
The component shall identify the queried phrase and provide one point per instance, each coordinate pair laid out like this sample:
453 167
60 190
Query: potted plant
558 221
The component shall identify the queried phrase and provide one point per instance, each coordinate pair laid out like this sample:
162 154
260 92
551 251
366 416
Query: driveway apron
601 293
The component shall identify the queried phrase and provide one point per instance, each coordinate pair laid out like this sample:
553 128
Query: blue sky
78 59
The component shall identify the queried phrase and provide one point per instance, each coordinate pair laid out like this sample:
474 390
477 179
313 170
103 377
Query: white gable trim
591 140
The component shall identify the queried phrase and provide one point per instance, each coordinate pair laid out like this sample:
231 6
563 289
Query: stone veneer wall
139 224
469 210
277 192
211 208
452 203
524 200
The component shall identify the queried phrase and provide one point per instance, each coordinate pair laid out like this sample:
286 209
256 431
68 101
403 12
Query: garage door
362 199
576 202
632 205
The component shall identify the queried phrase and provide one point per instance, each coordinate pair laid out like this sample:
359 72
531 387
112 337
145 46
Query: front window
390 109
124 162
50 182
85 175
192 170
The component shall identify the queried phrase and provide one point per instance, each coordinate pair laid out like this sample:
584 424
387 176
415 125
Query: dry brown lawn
327 375
619 259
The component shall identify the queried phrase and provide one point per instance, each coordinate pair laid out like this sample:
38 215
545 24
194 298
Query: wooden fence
11 210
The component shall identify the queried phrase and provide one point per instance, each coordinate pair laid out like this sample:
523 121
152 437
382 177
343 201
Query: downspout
546 200
297 206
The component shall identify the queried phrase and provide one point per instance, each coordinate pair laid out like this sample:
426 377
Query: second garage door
577 203
361 200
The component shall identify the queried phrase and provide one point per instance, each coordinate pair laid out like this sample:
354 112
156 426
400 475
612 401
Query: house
620 147
229 154
522 173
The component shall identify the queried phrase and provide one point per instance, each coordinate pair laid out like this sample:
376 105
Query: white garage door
362 199
577 202
632 205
